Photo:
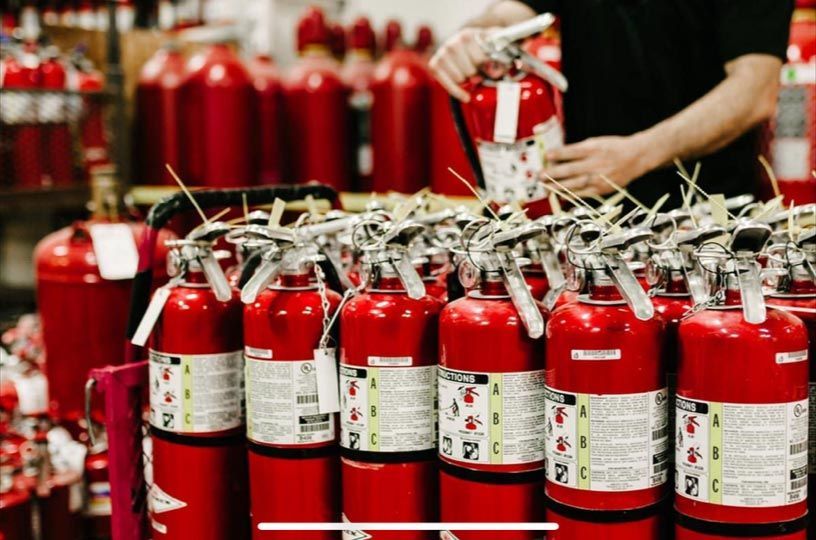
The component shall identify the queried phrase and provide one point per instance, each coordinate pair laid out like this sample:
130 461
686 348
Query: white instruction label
491 418
282 403
196 393
505 124
596 354
611 442
354 534
159 501
386 409
736 454
115 250
99 499
812 429
791 357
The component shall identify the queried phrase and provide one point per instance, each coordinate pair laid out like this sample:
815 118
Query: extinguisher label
491 418
737 454
282 403
360 103
18 108
511 170
610 442
793 147
196 393
99 499
596 354
52 108
812 429
388 409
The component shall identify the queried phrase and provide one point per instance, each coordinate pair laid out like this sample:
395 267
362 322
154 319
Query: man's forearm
501 13
744 99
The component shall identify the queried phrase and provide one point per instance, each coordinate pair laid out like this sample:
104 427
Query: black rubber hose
467 143
164 210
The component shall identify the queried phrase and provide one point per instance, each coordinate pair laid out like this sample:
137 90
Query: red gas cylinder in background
604 370
19 113
357 72
83 315
446 148
216 120
400 122
392 36
98 501
158 115
388 337
574 524
316 110
753 402
267 118
337 41
199 487
294 467
424 41
794 129
91 114
53 115
491 398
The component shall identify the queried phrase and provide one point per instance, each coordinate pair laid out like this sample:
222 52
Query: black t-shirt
633 63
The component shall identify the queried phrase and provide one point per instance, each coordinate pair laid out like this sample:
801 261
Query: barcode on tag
505 127
115 250
328 382
798 448
596 354
309 428
791 357
150 317
306 399
660 433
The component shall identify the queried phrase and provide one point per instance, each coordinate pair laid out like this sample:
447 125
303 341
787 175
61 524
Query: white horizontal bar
392 526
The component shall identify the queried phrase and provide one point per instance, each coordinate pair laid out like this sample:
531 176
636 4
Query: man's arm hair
744 99
501 13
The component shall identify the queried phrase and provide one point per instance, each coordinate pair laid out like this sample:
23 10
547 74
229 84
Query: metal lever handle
501 38
555 277
408 276
544 70
753 302
626 282
266 272
521 296
215 277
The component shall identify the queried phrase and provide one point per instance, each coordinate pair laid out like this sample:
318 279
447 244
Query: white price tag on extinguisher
328 386
508 97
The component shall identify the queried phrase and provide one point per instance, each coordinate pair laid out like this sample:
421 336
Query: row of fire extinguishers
477 356
53 479
50 107
367 124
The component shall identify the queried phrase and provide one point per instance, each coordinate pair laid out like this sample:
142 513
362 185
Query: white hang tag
115 250
328 385
508 96
151 315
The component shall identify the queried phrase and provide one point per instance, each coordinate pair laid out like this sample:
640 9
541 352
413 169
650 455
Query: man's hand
458 59
579 166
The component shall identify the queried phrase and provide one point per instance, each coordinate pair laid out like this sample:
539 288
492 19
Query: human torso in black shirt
633 63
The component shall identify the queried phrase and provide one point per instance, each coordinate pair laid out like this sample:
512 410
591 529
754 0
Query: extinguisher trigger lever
630 289
215 276
404 266
521 296
266 272
750 285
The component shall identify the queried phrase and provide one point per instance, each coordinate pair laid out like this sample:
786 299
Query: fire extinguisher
15 500
19 111
401 92
757 392
357 73
445 148
53 118
337 41
605 370
650 523
492 459
91 115
392 36
216 118
794 130
286 336
316 110
199 484
795 292
83 290
268 111
157 118
86 15
424 41
388 338
511 119
97 512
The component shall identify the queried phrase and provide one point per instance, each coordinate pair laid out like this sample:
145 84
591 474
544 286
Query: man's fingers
460 57
567 170
453 89
570 151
